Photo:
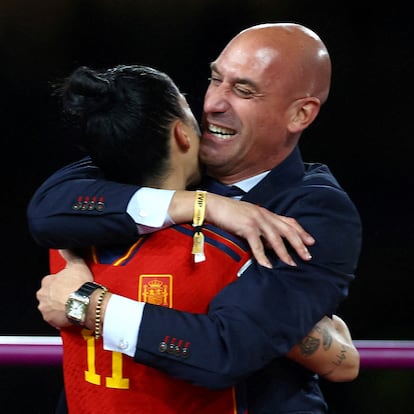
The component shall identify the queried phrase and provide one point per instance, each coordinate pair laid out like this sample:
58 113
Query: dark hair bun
86 92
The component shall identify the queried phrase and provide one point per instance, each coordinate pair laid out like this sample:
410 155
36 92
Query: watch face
76 308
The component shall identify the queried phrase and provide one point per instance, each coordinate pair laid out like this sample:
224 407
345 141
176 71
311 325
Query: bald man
267 86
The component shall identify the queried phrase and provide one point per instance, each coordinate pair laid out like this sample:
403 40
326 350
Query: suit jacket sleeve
70 208
252 321
265 312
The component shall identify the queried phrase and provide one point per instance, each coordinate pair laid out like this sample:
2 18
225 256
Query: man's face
245 112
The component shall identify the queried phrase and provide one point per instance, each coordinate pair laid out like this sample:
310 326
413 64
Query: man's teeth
223 132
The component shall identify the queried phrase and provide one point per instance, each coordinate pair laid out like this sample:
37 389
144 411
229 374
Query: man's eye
243 92
213 79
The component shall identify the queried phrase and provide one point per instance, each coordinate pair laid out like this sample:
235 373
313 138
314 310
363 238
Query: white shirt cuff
148 207
120 333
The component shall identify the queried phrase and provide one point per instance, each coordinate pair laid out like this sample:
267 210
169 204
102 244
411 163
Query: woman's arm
76 207
329 351
260 227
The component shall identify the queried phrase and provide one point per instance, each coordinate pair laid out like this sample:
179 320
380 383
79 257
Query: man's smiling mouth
221 132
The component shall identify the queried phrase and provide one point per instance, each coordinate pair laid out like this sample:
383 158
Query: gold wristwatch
78 303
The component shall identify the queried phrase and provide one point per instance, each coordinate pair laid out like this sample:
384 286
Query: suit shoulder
319 174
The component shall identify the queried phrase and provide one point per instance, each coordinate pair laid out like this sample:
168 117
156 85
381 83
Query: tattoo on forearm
340 357
309 345
326 339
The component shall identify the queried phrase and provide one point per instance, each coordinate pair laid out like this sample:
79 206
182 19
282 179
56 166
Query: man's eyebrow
241 81
213 67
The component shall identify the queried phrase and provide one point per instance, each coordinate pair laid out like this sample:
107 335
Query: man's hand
55 289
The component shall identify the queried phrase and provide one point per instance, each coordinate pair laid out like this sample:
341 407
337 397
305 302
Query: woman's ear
304 112
180 135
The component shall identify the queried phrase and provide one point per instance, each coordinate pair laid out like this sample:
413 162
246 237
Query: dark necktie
217 187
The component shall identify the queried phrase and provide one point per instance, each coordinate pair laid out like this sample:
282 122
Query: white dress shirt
149 209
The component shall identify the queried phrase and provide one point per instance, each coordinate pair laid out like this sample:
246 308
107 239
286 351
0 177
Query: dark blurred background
364 133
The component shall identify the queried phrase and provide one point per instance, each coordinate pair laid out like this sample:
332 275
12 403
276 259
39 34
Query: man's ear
181 136
304 112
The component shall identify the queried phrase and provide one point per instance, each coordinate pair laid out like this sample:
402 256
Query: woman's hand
260 227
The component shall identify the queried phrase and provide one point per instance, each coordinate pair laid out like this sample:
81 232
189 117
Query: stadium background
364 133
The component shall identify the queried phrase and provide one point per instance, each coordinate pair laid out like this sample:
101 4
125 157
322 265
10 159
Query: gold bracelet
98 312
198 220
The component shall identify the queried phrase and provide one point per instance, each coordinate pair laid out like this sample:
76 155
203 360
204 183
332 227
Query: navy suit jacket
254 321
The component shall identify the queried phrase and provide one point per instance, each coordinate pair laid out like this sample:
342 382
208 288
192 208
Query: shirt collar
247 184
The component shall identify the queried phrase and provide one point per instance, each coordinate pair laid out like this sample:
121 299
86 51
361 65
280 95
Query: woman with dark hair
137 128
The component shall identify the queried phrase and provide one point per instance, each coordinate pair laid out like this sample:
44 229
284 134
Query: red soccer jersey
159 269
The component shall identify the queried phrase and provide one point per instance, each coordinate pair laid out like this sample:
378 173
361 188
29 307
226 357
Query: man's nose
216 100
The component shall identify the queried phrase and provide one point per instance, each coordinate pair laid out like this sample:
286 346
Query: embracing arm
327 350
276 307
265 310
76 207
